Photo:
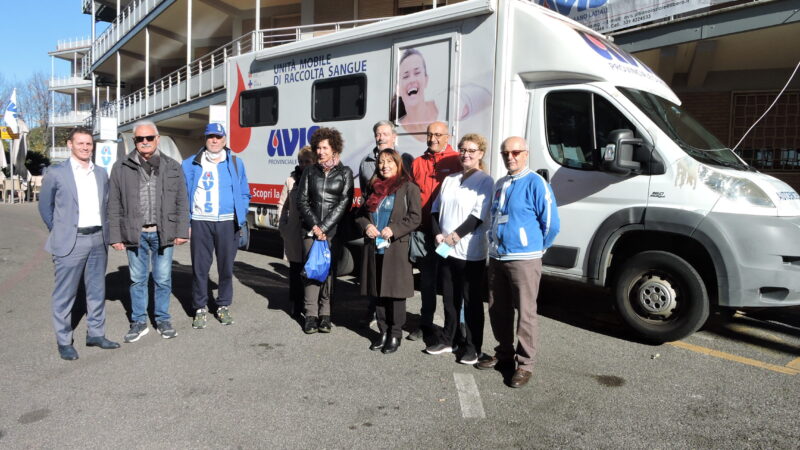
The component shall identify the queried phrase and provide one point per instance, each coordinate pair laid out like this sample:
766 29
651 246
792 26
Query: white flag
10 116
3 162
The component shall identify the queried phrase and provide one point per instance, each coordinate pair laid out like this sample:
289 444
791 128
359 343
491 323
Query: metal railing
75 81
59 153
70 118
206 75
125 21
69 44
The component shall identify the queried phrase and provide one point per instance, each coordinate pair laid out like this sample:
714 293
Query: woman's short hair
477 139
306 152
333 136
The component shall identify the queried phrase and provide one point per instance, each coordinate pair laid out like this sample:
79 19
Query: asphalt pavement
263 383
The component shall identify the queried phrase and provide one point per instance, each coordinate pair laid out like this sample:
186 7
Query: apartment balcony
128 18
66 45
70 119
62 83
59 153
207 75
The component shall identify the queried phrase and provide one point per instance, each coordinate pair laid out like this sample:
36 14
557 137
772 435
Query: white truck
651 204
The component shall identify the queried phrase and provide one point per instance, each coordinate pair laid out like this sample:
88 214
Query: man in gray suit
72 204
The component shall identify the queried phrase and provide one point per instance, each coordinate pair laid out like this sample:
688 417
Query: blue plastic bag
318 263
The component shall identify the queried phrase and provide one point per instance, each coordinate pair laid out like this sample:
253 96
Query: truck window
258 107
578 125
342 98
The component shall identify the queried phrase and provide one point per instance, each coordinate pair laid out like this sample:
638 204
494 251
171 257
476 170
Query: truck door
568 127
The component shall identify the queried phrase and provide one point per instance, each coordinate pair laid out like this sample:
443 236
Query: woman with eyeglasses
459 215
289 227
389 214
324 196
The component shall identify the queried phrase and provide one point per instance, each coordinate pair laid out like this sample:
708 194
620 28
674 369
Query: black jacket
172 206
324 198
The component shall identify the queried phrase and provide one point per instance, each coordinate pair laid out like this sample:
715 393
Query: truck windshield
695 140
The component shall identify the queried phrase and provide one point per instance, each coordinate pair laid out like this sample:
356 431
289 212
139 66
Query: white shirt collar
76 165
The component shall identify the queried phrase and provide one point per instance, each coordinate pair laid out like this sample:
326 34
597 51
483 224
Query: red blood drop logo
240 136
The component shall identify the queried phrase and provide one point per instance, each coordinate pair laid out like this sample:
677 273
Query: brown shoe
486 362
520 378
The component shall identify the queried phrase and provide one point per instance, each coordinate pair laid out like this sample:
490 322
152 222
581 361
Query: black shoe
324 324
391 345
100 341
377 345
311 325
67 352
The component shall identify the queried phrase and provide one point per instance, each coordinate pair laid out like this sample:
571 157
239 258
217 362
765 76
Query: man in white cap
218 200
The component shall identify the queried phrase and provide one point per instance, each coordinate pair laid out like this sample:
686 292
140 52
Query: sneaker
469 358
324 324
438 349
165 329
224 316
138 329
200 319
311 325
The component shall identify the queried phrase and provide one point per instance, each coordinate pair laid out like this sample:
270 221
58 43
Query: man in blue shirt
524 223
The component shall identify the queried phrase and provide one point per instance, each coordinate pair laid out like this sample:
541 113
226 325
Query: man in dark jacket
148 213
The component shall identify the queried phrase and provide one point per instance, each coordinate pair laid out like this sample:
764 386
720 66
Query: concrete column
146 67
188 48
119 85
307 12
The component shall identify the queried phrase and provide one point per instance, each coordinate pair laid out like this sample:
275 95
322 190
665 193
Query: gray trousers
515 284
318 295
88 261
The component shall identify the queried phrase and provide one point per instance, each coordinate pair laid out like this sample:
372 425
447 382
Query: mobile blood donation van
651 204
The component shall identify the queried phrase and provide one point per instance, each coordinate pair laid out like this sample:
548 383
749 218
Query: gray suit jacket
58 206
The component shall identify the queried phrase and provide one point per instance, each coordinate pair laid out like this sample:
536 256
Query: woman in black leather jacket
325 194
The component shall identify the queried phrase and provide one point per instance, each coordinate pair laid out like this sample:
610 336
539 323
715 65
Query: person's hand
180 241
452 239
386 233
119 246
372 231
439 238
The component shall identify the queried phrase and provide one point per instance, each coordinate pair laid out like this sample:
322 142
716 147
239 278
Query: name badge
502 219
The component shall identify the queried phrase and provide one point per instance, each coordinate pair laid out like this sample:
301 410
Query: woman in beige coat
389 214
289 227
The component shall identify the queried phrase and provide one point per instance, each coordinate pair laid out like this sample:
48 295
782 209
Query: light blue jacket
193 169
524 217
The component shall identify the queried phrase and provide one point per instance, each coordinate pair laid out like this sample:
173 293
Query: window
258 107
578 126
342 98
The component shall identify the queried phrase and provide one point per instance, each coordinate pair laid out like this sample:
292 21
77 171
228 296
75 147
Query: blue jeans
139 260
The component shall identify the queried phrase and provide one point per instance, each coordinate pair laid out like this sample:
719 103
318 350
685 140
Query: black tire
661 296
344 265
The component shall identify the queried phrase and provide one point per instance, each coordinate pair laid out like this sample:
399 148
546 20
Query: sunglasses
471 151
514 153
140 139
214 136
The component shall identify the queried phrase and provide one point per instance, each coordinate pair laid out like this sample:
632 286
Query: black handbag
416 246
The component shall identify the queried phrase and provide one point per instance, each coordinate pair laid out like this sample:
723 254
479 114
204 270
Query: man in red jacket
429 170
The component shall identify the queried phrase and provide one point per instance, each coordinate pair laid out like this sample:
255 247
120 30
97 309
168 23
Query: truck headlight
740 190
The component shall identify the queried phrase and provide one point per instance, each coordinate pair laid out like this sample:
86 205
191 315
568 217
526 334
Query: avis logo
565 6
610 51
105 154
284 141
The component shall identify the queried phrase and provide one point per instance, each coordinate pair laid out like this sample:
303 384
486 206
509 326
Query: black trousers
390 313
296 294
462 281
209 239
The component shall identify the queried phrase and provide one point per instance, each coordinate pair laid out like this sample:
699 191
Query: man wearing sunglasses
219 197
524 223
148 213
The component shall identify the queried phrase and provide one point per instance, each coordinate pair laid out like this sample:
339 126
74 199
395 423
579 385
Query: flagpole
11 171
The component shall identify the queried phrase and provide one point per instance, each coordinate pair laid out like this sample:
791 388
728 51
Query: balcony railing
59 153
125 21
206 75
69 82
71 118
76 43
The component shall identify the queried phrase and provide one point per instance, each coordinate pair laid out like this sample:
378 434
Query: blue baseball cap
215 128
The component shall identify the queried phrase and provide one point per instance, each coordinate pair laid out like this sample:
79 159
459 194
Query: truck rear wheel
661 296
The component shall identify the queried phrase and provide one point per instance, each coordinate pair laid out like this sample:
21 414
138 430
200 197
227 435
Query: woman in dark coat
325 194
387 217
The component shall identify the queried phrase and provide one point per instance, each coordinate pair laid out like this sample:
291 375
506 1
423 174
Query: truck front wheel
661 296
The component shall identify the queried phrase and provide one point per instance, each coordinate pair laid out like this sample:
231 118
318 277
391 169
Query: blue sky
31 29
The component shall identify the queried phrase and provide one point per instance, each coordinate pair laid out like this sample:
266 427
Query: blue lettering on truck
284 141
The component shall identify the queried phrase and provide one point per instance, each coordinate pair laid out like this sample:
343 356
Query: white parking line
468 395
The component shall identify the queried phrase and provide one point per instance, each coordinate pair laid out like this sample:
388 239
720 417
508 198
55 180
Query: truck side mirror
618 156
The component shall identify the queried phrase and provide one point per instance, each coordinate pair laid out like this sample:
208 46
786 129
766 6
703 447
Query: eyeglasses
214 136
140 139
437 135
471 151
514 153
